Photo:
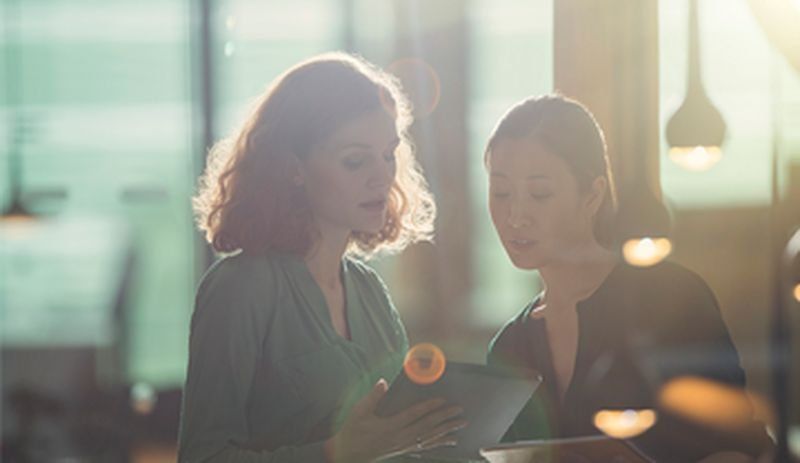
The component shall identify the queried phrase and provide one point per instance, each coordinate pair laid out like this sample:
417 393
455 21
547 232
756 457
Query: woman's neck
569 282
325 257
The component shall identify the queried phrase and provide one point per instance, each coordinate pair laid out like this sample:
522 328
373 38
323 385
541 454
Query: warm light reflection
424 363
712 403
624 424
645 252
696 158
143 398
230 22
796 292
420 82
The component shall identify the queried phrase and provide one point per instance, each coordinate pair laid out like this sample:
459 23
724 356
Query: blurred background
107 109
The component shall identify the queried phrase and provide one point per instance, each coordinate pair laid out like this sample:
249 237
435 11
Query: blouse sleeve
694 341
228 327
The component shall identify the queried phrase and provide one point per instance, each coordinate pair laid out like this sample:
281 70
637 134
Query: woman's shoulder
363 274
240 273
666 278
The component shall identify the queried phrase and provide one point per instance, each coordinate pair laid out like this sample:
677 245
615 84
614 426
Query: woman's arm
228 328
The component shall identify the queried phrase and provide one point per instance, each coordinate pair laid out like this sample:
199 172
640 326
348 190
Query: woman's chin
524 262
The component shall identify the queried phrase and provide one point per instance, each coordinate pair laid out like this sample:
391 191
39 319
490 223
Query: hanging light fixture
15 213
695 131
644 227
643 223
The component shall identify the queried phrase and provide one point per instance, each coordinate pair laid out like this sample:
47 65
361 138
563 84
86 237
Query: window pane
103 95
511 58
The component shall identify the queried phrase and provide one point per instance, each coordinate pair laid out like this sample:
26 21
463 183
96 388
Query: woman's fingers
422 445
435 418
368 403
433 427
449 427
415 412
442 441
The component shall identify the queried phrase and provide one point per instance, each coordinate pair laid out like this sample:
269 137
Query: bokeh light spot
420 82
711 403
646 252
624 424
424 363
695 158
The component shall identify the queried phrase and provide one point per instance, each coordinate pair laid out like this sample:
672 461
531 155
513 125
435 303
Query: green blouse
269 379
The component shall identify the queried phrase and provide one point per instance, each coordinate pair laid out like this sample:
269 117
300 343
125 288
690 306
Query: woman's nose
382 174
518 216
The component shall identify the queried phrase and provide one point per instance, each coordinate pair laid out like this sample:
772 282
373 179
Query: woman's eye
390 157
353 162
500 194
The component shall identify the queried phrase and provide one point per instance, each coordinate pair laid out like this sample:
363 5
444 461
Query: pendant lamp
695 131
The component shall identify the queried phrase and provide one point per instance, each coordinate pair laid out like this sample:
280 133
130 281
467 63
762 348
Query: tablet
571 449
491 398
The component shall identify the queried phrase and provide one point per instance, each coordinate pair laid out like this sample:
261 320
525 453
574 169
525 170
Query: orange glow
424 363
796 292
711 403
695 158
624 424
420 82
646 251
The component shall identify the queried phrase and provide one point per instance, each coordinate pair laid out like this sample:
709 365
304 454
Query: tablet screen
491 398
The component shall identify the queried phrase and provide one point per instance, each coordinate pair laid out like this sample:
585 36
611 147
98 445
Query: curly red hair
246 199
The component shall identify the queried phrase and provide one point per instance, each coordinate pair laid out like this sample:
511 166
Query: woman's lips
519 244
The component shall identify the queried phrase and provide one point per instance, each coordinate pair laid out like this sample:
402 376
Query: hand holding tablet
490 398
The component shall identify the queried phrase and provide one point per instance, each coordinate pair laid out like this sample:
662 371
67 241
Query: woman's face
348 176
535 204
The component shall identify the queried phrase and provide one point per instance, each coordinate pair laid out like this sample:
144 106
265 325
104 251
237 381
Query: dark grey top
638 330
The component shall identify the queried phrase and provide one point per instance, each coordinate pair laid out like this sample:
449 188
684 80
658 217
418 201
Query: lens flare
695 158
424 363
624 424
420 82
796 292
646 252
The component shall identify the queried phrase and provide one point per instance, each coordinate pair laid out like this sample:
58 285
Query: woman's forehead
375 129
527 158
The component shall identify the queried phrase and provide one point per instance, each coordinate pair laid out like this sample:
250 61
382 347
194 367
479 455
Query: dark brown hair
247 199
568 130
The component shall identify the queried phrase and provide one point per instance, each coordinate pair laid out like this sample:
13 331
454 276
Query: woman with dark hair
552 201
293 337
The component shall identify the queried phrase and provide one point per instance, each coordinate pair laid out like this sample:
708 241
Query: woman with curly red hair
293 336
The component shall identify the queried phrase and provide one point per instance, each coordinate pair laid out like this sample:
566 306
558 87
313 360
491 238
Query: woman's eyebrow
362 145
349 145
538 177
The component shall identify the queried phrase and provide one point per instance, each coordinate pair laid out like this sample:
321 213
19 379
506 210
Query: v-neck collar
539 342
320 304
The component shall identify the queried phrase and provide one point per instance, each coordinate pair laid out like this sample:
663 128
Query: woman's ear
596 195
